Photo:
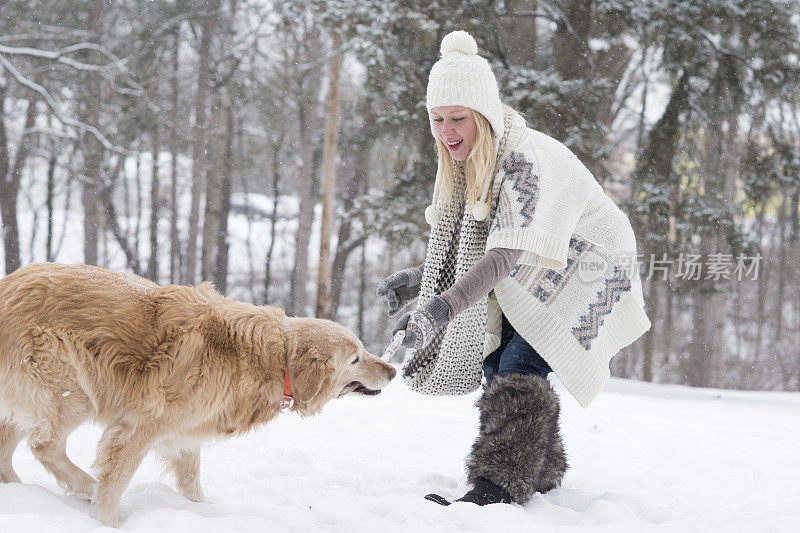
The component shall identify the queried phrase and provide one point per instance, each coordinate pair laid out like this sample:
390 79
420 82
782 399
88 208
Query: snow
643 457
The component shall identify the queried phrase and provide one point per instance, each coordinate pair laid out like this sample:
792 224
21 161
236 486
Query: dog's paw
109 521
107 517
194 493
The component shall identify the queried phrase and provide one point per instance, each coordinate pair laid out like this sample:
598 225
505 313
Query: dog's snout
392 372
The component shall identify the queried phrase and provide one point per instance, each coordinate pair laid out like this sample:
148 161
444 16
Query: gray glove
401 287
422 323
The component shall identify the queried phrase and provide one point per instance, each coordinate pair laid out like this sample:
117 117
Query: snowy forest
282 150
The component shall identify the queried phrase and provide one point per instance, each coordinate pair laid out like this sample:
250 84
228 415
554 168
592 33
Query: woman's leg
519 357
491 365
518 450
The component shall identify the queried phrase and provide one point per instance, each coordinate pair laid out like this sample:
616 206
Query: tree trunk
343 249
669 325
362 278
174 240
570 40
696 367
221 271
305 216
155 202
93 155
21 159
306 92
362 289
106 199
276 150
199 142
519 40
780 287
211 210
67 205
8 194
650 336
251 268
761 295
345 245
51 186
640 136
794 241
10 181
137 227
329 155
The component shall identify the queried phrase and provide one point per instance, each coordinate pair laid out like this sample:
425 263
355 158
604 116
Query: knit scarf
453 362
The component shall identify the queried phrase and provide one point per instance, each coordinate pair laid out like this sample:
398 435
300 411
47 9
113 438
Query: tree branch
106 189
96 133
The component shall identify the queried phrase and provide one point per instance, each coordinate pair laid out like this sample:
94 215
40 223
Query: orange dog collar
287 401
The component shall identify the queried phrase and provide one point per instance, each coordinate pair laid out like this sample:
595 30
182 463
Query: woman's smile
453 146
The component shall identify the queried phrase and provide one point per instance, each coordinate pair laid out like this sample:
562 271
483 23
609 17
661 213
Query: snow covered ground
642 458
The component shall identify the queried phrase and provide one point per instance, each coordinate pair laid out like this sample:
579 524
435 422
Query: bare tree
220 276
10 177
214 175
106 199
199 141
155 203
273 216
174 239
93 151
306 90
329 154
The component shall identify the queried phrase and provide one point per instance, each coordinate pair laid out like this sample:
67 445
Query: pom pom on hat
458 41
432 215
480 210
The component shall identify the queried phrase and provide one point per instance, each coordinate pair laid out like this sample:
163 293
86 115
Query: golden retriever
161 368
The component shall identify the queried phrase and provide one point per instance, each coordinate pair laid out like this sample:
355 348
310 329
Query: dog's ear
310 370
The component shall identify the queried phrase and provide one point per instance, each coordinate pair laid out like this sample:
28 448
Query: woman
530 268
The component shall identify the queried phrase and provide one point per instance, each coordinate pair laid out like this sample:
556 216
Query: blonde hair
478 167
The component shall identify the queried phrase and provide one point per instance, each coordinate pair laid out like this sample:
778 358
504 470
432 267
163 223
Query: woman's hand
422 323
401 287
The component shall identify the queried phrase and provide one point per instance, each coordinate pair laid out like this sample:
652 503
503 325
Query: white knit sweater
574 294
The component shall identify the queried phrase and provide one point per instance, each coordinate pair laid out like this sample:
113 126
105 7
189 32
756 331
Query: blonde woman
529 269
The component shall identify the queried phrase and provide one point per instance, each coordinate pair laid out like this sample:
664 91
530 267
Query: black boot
518 446
518 450
483 493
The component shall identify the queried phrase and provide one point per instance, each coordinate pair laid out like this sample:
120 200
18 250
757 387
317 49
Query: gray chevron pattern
590 323
519 171
545 283
526 184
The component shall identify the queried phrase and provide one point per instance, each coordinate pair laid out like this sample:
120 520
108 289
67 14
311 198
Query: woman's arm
480 279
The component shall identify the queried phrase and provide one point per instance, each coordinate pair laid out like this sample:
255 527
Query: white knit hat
462 77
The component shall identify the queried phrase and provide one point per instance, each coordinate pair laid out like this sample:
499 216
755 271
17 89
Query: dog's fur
161 368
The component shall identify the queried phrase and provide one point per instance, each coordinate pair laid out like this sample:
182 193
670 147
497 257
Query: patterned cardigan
574 295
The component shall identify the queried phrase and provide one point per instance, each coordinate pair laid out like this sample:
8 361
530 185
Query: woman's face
454 125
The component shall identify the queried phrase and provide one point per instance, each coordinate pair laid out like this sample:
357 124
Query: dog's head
327 361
